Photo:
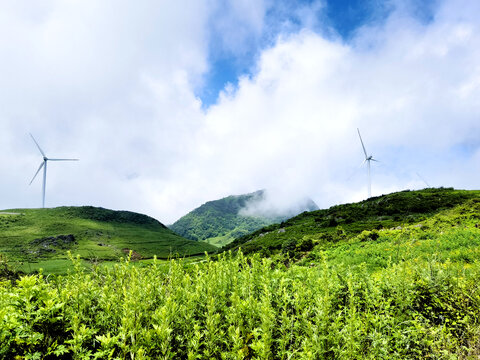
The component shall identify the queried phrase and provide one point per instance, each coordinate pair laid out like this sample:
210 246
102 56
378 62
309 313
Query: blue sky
138 91
337 17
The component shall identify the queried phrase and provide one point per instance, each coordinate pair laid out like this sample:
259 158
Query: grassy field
238 307
38 238
403 284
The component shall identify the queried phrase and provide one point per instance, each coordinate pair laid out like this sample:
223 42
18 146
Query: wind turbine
425 181
367 160
44 165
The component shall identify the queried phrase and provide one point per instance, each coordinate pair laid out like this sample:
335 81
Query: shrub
289 247
368 235
306 244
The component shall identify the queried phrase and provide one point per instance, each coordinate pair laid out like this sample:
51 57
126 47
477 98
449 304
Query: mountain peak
221 221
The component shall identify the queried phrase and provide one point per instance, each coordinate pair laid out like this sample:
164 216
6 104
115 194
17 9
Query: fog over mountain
220 221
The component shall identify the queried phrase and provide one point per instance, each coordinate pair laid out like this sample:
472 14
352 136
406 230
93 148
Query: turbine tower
44 165
367 160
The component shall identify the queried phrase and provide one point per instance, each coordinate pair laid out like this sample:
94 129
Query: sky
174 103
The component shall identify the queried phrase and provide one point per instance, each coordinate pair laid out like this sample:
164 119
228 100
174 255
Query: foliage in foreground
245 308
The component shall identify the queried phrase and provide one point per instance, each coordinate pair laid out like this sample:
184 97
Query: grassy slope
343 222
406 288
100 234
218 222
451 236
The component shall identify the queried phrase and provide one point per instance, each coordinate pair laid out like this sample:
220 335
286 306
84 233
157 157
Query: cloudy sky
169 104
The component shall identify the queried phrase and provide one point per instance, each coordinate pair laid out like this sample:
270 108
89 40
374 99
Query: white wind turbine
367 160
44 165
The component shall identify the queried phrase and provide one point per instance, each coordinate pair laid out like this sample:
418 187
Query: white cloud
292 126
235 24
114 84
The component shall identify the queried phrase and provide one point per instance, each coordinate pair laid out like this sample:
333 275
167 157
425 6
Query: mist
274 205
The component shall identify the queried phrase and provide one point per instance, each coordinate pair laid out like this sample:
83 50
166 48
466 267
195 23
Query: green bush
289 247
368 235
244 308
306 244
6 271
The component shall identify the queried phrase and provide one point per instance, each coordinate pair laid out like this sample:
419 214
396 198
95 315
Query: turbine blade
363 146
40 168
425 181
63 159
38 146
375 160
353 173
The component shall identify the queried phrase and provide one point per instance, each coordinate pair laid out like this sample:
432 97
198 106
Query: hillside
344 222
220 221
393 277
42 237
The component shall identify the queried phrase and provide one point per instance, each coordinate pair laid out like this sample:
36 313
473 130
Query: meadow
247 307
36 239
409 289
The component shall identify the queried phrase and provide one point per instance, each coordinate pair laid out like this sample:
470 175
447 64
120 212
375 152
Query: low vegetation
402 284
246 308
343 222
41 238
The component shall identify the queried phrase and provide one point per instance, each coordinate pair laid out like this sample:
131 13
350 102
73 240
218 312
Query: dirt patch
135 255
62 241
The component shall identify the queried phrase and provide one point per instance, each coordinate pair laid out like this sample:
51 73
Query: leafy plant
241 307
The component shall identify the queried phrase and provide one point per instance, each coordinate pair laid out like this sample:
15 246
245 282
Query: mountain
220 221
369 219
42 237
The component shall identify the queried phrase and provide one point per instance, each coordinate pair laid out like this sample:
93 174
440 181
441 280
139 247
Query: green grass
342 222
403 285
51 266
238 307
100 234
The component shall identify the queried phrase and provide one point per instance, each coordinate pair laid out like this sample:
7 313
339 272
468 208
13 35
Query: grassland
238 307
343 222
395 277
35 238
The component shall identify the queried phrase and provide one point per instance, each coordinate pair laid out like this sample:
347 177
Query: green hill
220 221
43 237
392 277
343 223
